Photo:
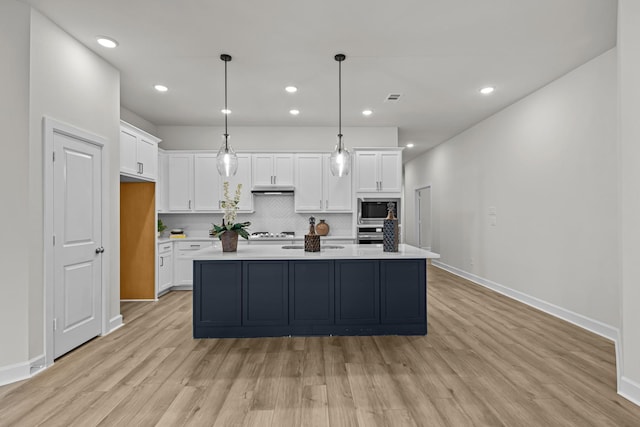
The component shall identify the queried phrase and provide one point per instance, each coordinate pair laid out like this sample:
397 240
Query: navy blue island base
269 298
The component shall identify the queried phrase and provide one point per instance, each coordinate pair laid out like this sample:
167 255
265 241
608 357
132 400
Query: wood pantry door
77 252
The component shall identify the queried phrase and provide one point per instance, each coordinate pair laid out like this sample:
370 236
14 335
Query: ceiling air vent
393 97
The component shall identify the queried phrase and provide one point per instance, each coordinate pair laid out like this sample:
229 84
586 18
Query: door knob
99 250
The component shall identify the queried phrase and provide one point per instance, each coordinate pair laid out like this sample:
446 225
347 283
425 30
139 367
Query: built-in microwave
374 210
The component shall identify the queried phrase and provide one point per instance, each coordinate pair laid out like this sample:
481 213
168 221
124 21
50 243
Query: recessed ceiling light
367 112
223 111
106 42
487 90
410 145
161 88
294 112
291 89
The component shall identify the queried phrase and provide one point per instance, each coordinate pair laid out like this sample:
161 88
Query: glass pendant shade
227 160
340 160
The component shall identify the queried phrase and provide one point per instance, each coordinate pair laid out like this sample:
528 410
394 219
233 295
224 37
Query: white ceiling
436 53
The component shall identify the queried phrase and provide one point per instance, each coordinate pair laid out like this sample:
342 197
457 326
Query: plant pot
229 241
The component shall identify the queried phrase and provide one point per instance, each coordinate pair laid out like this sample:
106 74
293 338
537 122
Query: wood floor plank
486 361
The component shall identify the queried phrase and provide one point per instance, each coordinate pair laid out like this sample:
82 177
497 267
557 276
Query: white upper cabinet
138 153
317 190
337 190
242 176
308 193
194 184
180 182
206 183
378 171
272 169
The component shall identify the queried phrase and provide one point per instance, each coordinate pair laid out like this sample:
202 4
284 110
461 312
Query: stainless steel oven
369 235
374 210
371 214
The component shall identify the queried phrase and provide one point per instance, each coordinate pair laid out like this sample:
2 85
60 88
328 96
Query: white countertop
276 240
275 251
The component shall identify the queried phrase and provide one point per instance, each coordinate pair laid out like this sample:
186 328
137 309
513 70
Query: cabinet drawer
193 245
165 247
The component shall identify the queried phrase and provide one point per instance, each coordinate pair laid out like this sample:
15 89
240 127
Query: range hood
272 190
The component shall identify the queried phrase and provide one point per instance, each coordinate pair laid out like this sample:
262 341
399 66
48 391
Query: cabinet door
183 272
337 190
403 291
308 195
217 295
283 169
311 298
262 169
264 293
180 182
242 176
128 152
206 183
165 271
366 171
390 167
162 183
148 158
357 292
183 269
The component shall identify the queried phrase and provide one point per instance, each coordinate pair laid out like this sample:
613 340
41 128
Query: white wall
629 74
138 121
258 138
548 165
71 84
14 184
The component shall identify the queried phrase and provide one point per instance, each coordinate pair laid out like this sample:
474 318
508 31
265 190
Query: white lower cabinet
165 266
183 274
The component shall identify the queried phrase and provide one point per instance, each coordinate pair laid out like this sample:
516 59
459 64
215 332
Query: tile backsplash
273 213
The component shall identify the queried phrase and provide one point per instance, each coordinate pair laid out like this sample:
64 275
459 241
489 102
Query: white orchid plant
230 206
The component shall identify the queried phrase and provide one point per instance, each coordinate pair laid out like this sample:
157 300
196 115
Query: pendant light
340 160
226 160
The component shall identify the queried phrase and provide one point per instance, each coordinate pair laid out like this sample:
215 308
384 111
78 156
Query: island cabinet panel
403 291
265 293
258 298
217 294
358 292
311 292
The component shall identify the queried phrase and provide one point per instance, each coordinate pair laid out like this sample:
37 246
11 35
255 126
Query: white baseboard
629 390
584 322
21 371
115 323
182 288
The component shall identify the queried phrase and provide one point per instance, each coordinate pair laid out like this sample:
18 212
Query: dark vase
229 241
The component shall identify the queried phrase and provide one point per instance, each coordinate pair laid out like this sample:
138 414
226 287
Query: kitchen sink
321 247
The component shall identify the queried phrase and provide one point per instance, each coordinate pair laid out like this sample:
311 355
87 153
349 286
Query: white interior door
77 210
424 218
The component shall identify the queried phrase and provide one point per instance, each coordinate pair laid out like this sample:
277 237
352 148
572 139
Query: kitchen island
269 290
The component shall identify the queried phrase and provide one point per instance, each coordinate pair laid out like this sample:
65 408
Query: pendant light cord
339 57
340 105
226 110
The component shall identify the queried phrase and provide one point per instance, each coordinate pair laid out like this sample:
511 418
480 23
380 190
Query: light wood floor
486 361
